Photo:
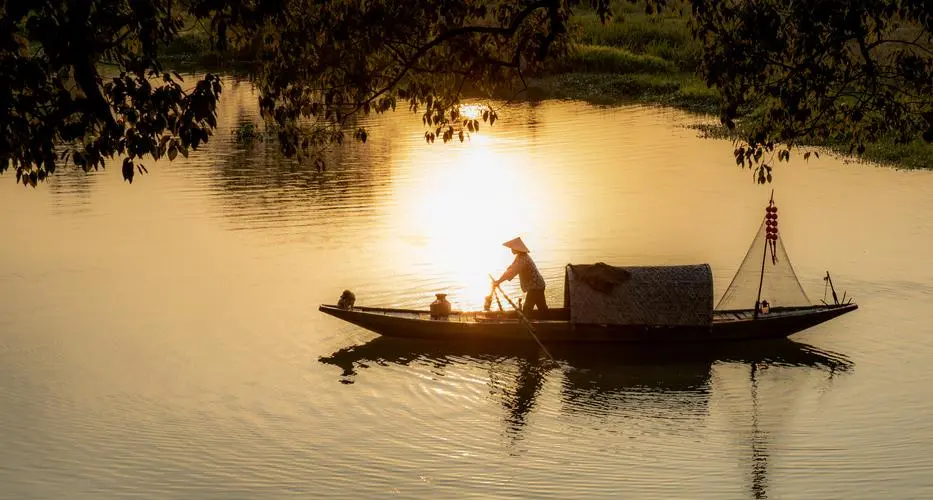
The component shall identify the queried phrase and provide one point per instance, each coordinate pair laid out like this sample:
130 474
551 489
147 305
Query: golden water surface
162 339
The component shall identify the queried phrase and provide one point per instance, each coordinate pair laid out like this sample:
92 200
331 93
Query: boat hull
726 326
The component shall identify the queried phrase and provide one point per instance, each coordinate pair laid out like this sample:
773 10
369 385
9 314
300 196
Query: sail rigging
766 273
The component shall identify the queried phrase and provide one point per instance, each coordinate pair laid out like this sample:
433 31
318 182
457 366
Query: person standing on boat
531 281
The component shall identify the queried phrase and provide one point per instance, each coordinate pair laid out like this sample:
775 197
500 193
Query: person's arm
512 270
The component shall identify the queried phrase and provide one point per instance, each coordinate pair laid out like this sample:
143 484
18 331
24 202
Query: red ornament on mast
771 229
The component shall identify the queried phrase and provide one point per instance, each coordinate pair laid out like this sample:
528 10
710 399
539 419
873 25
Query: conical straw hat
516 245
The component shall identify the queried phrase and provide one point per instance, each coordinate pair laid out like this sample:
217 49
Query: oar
496 295
521 315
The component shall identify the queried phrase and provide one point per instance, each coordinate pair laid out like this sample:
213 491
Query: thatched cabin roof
655 295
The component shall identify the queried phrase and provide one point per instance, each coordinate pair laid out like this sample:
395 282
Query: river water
162 339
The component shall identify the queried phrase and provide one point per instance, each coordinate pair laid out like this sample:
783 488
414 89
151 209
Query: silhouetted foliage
320 64
56 106
818 72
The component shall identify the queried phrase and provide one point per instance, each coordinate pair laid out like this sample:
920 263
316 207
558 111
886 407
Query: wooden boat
609 304
557 327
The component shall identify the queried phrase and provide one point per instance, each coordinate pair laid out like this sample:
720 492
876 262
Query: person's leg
542 302
534 298
529 303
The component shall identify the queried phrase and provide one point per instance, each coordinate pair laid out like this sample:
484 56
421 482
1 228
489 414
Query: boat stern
333 310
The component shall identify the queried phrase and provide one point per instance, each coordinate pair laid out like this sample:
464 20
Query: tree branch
424 49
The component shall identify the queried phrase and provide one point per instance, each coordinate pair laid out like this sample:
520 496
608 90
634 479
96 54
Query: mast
771 236
761 281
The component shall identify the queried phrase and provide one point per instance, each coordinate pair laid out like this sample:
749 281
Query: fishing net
779 284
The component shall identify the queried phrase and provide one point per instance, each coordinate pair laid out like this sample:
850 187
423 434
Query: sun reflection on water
472 111
456 210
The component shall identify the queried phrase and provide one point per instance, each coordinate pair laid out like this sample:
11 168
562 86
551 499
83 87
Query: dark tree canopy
819 72
55 106
83 81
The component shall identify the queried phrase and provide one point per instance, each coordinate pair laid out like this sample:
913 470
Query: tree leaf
128 170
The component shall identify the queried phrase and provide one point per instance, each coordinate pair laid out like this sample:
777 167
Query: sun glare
458 207
472 111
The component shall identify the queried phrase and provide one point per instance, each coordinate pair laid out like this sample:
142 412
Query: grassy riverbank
916 155
634 58
192 48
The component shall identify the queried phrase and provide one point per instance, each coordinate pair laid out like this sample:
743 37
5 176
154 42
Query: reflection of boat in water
672 384
591 373
653 304
594 366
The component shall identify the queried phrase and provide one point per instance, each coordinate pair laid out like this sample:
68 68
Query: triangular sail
779 284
